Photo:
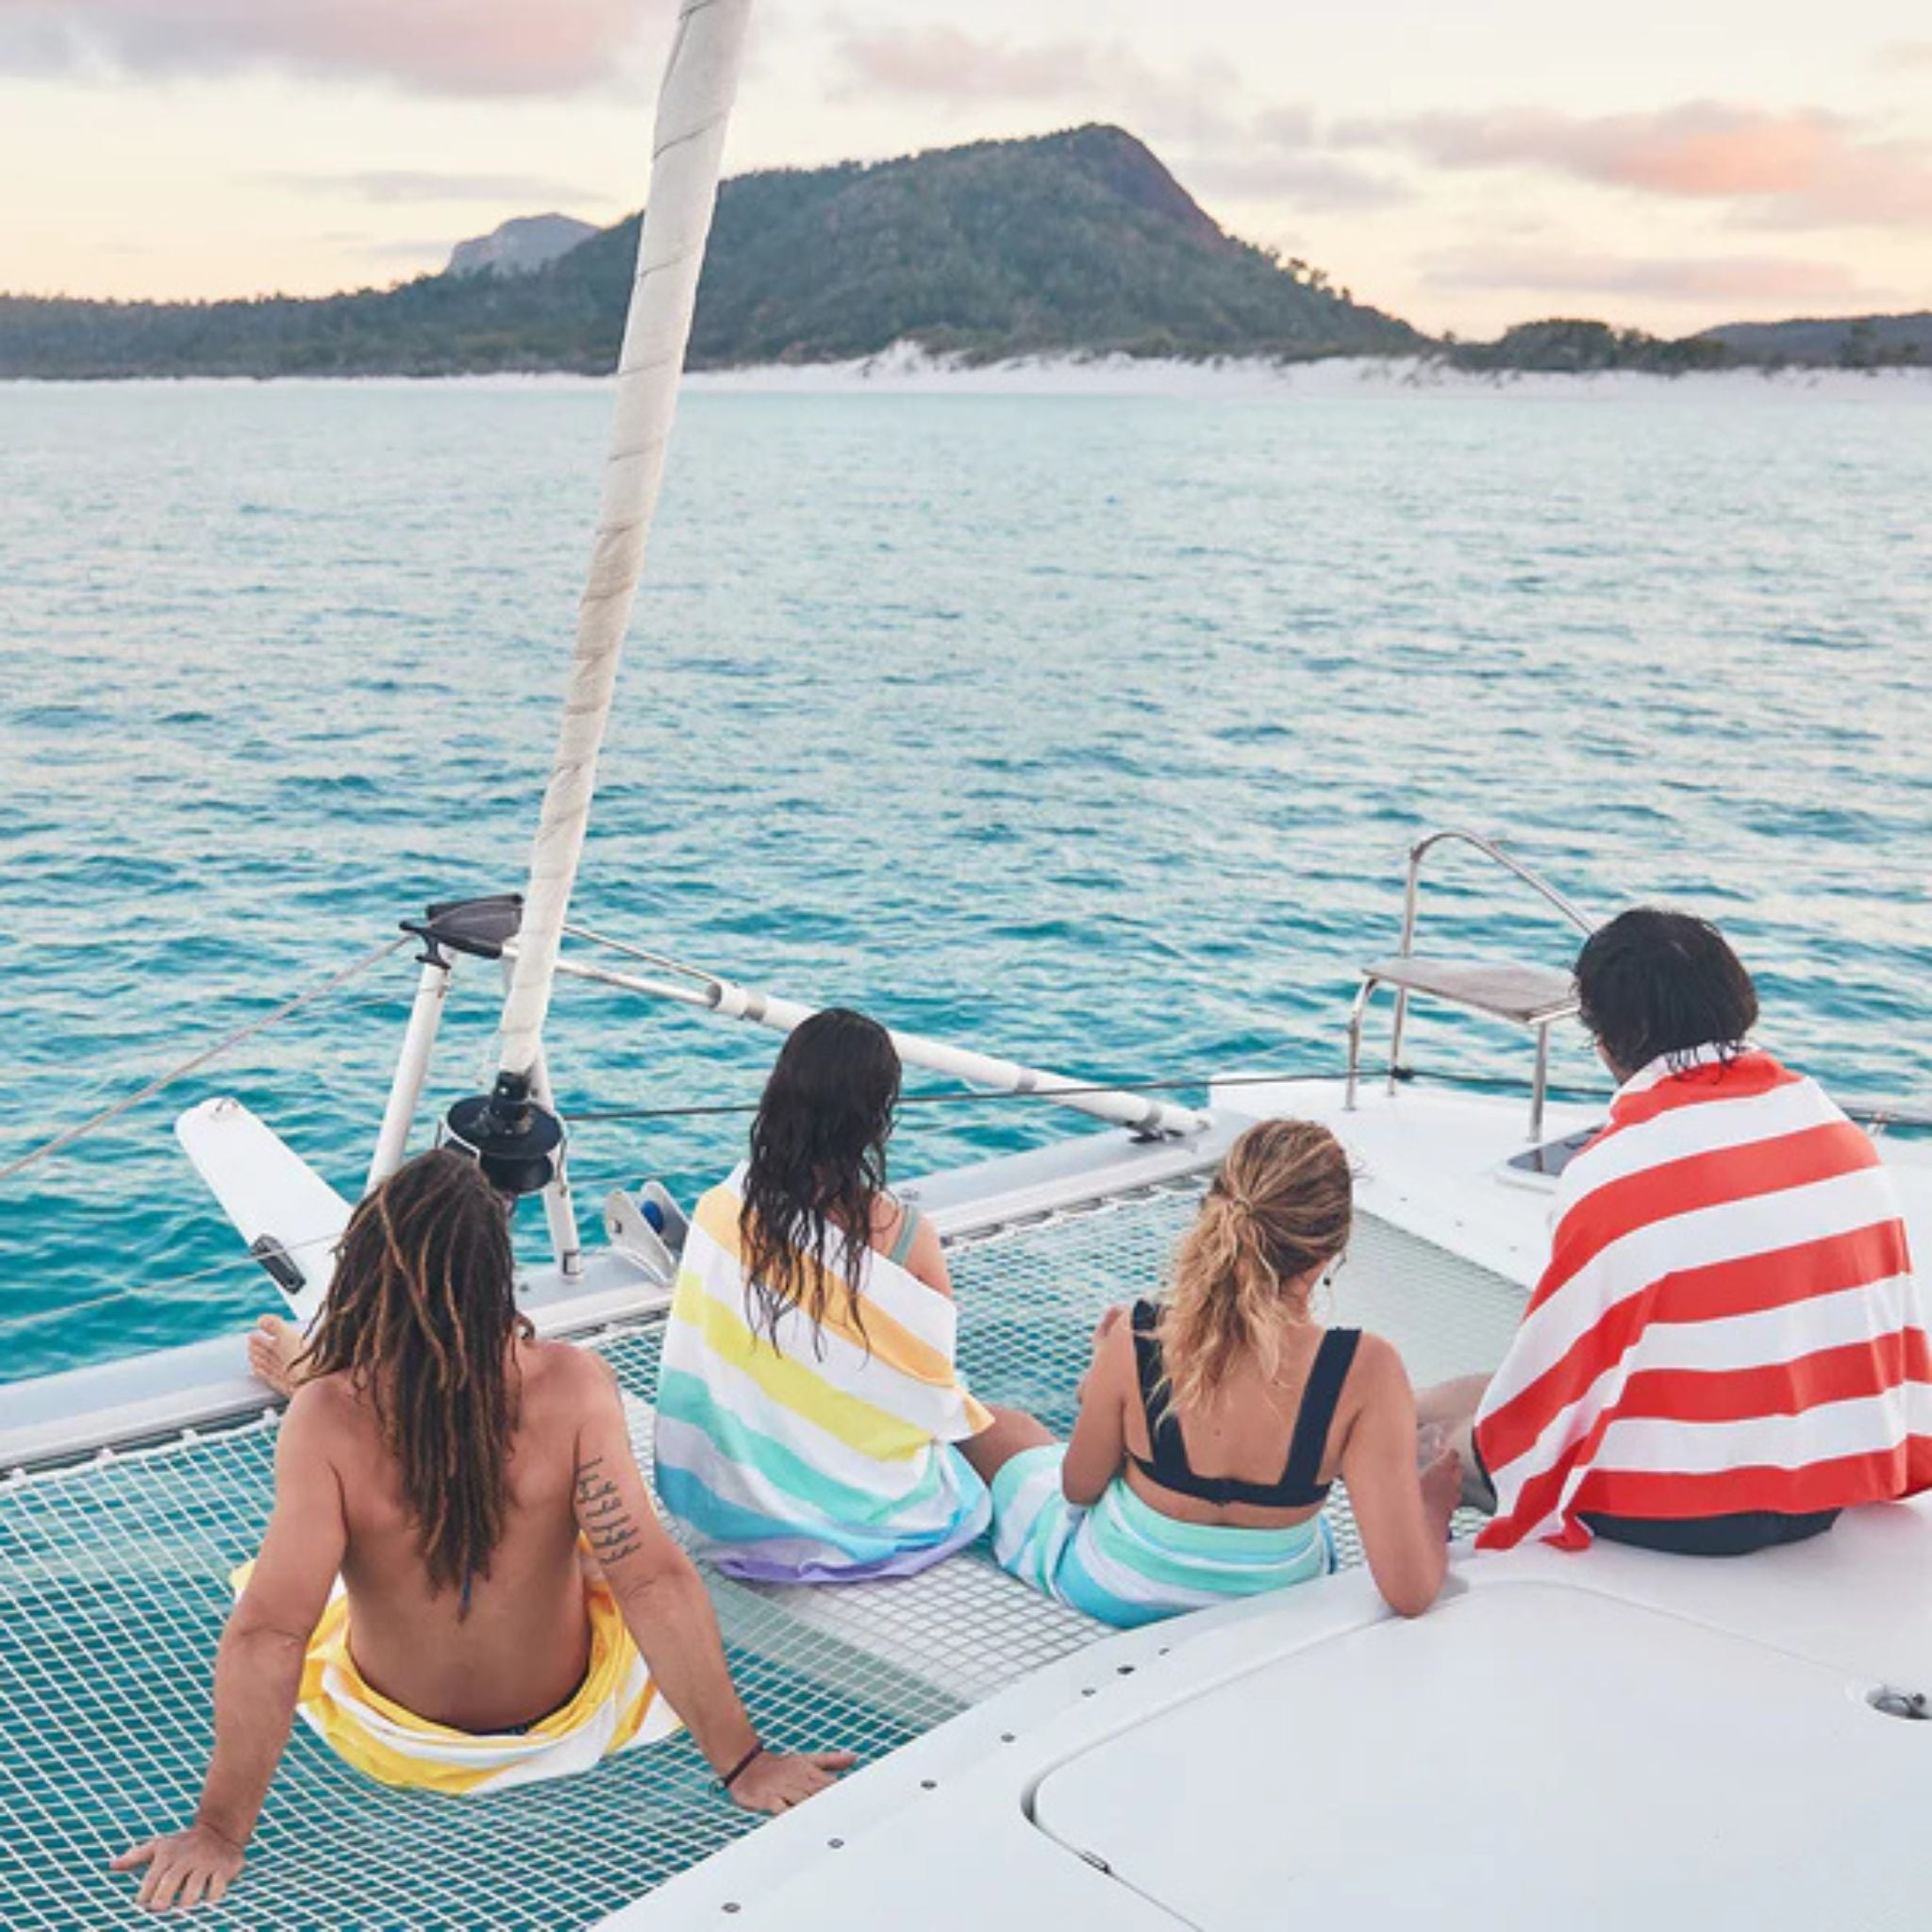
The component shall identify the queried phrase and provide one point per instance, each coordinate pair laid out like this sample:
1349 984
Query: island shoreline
906 370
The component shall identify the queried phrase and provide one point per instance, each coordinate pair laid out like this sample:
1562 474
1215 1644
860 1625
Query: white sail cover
693 109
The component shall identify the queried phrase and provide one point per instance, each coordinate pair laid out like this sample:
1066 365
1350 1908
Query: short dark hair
1654 983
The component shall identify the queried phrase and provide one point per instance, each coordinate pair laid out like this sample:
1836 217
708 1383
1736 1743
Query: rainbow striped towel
616 1707
820 1458
1125 1564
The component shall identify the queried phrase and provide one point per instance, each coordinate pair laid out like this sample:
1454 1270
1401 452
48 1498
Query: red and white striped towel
1728 1320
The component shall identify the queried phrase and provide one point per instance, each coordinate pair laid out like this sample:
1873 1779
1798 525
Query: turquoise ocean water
1090 731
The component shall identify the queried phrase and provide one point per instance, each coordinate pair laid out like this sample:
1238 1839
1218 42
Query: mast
514 1137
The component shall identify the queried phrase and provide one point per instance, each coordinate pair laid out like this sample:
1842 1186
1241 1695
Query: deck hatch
1370 1775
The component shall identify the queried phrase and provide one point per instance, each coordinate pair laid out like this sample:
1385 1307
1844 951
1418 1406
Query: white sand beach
907 369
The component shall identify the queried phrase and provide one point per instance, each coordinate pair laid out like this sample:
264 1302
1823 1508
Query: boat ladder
1533 997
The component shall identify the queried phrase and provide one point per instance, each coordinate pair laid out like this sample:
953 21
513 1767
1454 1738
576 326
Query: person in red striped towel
1726 1347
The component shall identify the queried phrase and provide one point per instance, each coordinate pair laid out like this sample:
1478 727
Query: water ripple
1094 733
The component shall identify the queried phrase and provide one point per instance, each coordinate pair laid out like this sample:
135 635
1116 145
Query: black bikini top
1297 1489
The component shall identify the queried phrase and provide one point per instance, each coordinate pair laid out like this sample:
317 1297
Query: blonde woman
1213 1422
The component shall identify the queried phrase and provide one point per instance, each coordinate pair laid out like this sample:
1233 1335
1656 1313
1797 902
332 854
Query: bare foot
274 1351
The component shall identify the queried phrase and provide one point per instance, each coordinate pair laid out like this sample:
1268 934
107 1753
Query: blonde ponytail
1280 1207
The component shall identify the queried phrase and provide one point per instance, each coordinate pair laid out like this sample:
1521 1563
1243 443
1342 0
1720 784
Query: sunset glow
1665 167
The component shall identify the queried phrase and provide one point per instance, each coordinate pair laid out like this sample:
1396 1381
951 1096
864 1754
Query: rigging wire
943 1096
140 1285
949 1095
1879 1115
229 1041
247 1264
61 1310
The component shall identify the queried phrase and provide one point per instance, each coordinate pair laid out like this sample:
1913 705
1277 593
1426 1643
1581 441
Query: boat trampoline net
113 1592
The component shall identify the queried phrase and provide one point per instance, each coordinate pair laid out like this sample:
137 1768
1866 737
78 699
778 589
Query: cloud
950 67
413 252
475 47
946 63
1226 148
1904 54
1277 155
1730 279
1308 181
1701 149
1802 169
393 186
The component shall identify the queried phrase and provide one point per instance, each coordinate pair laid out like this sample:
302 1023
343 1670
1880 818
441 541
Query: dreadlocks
421 1318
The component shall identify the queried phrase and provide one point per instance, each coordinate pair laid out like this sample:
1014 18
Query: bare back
522 1648
1243 1433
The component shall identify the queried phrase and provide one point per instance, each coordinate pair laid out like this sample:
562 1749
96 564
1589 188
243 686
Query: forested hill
1077 241
1845 341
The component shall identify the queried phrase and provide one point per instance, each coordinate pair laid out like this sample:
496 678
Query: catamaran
1618 1736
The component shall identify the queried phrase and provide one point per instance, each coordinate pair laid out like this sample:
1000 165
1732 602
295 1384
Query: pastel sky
1466 164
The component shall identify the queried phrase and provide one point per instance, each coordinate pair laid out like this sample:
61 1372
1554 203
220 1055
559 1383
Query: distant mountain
519 248
1080 243
1850 342
1072 243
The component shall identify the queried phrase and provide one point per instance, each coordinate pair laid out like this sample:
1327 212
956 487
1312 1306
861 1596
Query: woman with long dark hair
811 1426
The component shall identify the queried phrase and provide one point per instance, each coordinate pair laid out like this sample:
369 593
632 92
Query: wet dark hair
419 1318
1653 984
818 1165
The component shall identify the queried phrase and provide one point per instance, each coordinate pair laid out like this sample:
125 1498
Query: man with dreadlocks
463 1584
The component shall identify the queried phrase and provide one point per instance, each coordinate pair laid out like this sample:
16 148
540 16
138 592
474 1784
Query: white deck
1481 1795
1434 1162
1630 1737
